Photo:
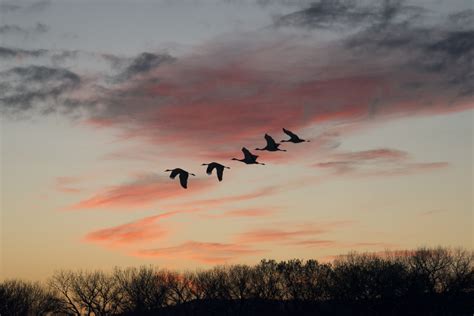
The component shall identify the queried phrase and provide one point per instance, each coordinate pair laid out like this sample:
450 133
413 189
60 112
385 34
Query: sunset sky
98 98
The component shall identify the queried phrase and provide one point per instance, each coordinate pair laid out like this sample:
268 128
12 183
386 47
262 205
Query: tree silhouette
26 298
143 289
437 281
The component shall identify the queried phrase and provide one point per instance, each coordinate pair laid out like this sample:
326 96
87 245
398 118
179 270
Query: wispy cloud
133 233
143 191
290 233
25 87
141 64
150 228
6 52
206 252
371 155
376 162
307 235
344 14
252 212
272 235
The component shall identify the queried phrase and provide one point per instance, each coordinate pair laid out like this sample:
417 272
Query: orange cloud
206 252
145 229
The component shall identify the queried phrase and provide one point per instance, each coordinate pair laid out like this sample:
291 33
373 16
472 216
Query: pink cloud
143 191
139 231
148 228
234 90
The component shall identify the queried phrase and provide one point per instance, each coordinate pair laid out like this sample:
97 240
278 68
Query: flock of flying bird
248 159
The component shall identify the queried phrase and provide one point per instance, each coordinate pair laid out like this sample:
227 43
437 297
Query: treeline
423 282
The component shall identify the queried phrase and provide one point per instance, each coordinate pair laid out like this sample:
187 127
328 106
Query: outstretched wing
270 141
210 167
174 173
220 172
183 179
248 154
290 133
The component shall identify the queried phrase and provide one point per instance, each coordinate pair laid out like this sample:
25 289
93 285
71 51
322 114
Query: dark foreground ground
421 282
436 306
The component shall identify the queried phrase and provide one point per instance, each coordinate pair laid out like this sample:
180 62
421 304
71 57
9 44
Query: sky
99 98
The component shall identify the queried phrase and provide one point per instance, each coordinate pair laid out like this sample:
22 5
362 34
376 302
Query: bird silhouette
219 169
293 137
183 176
271 144
249 158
